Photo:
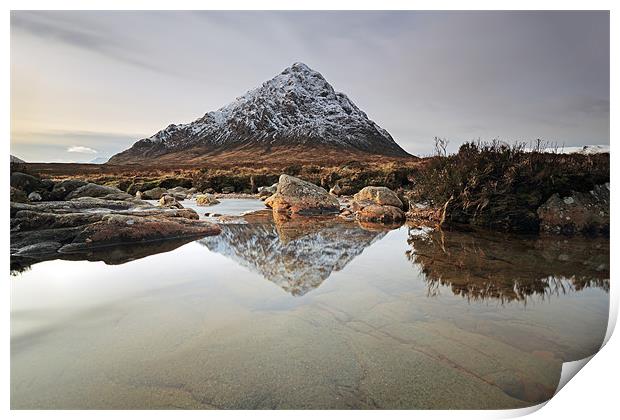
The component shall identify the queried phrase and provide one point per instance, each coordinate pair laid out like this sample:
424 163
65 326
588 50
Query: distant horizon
111 79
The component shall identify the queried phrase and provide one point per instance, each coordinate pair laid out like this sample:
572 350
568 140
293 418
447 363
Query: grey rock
25 182
152 194
61 189
297 196
34 196
92 190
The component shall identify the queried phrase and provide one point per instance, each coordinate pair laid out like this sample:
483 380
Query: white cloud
82 149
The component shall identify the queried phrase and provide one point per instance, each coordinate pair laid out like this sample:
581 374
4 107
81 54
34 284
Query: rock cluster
370 205
378 205
87 216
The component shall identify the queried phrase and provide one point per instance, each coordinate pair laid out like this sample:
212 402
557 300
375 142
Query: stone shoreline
68 216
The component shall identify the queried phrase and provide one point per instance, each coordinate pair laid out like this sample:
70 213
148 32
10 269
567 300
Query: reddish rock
381 214
121 229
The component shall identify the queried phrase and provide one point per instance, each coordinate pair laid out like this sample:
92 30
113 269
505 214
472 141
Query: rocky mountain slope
296 109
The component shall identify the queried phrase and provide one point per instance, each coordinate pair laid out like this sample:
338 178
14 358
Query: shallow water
300 313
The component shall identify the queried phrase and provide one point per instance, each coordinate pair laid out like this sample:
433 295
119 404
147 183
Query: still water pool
308 313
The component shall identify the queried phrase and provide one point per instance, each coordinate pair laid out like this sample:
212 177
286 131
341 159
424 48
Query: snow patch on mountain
298 106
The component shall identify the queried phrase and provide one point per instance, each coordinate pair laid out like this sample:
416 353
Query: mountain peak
297 107
302 72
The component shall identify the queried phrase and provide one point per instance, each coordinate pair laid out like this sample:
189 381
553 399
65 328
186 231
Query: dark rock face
296 196
24 182
63 188
578 213
18 196
297 107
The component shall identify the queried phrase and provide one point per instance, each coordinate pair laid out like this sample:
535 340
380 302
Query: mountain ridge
297 107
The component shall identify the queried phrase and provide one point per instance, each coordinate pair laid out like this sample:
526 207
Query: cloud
68 28
82 149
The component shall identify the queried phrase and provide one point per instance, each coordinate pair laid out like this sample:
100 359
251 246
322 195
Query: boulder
170 202
381 214
296 196
578 213
61 189
34 196
378 195
152 194
228 190
335 190
136 186
206 200
25 182
177 195
92 190
181 190
18 196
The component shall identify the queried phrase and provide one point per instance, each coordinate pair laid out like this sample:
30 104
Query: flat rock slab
85 223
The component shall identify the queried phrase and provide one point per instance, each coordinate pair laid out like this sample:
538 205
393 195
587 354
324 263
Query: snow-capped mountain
297 107
298 258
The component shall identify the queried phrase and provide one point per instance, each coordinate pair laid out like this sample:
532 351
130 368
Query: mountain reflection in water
488 265
297 254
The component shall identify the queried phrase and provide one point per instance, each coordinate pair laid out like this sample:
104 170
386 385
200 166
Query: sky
88 84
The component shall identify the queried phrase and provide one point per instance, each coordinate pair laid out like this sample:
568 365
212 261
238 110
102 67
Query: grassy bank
496 186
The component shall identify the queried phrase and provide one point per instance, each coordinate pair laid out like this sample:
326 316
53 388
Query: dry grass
497 186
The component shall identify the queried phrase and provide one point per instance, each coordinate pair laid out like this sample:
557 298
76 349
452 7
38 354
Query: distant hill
15 159
99 160
297 113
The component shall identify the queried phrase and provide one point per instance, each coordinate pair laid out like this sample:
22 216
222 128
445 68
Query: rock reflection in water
111 255
508 268
298 253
